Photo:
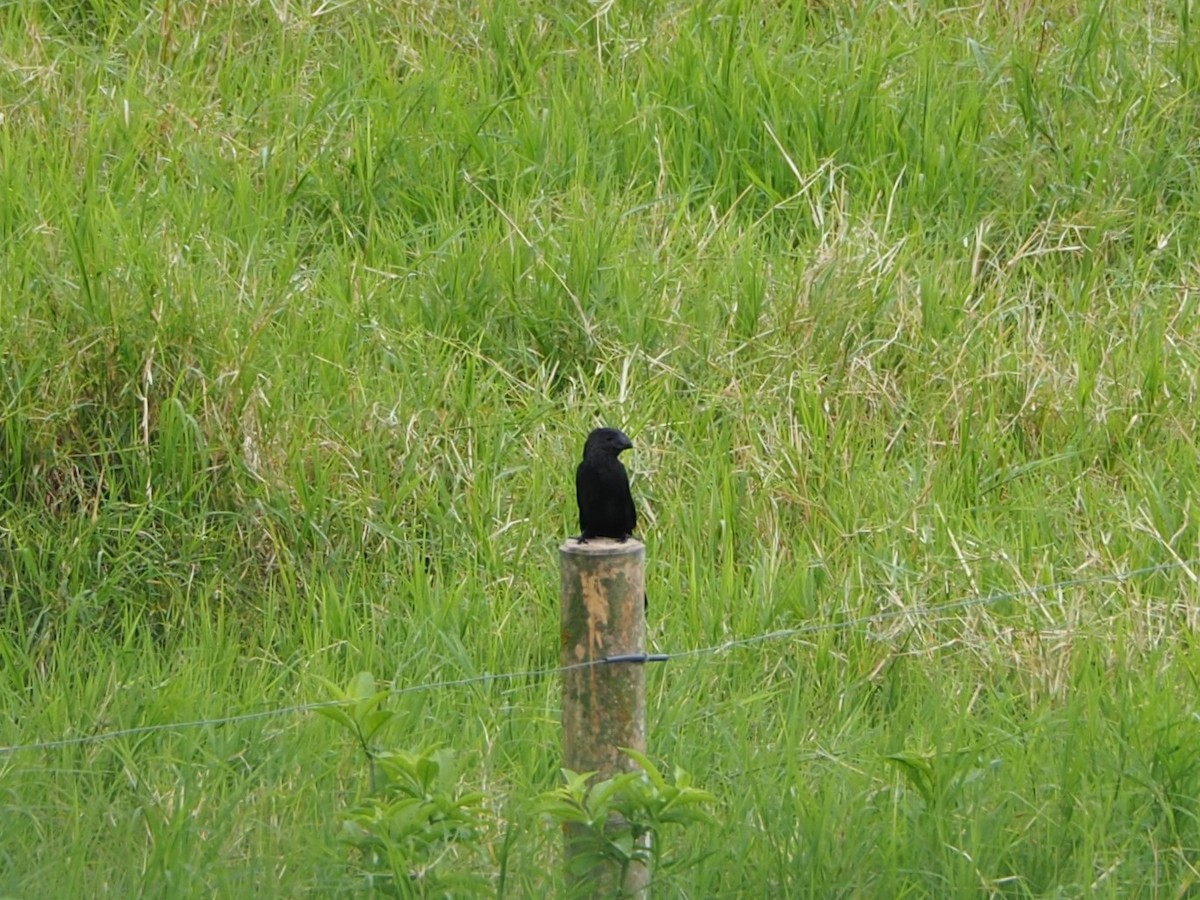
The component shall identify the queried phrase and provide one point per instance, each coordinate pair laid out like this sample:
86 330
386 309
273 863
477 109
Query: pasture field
306 309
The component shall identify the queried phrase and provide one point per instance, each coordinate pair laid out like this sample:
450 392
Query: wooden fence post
604 706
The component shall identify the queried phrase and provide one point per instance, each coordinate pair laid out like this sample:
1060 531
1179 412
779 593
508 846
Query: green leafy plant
416 833
621 819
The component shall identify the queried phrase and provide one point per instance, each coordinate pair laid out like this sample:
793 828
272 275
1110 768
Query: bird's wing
630 510
584 497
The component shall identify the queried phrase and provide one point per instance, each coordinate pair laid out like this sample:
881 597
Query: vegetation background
307 307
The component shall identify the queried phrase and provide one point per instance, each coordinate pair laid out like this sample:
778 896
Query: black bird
602 487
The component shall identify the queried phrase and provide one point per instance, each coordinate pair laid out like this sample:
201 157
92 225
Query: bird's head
606 441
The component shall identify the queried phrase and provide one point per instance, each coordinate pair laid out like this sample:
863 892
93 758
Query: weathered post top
602 546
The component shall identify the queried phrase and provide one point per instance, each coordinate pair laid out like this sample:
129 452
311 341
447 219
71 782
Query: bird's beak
626 443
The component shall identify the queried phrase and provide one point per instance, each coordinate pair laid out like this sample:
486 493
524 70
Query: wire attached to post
926 612
638 658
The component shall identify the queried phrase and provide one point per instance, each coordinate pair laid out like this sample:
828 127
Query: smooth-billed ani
602 487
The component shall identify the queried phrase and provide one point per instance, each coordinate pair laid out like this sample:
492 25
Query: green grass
306 309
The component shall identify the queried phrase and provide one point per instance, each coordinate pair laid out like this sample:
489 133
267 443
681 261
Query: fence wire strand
923 611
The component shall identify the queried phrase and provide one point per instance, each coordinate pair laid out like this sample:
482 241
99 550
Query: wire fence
922 611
